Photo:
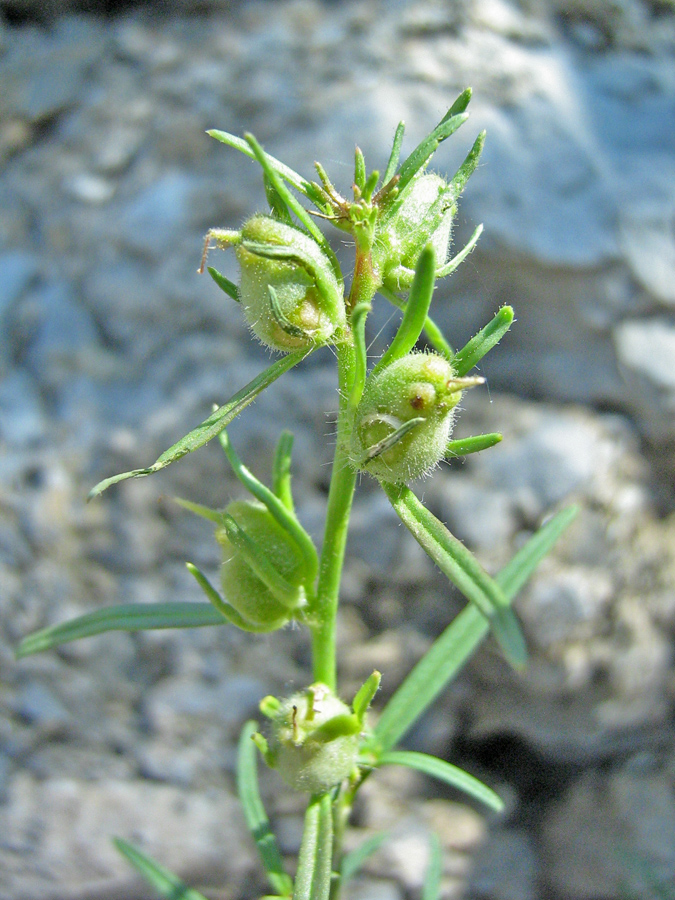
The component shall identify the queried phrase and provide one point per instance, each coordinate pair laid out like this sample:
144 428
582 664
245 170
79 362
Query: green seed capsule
424 215
315 740
262 573
288 291
403 423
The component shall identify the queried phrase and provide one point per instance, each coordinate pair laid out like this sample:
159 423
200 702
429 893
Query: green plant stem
340 496
315 860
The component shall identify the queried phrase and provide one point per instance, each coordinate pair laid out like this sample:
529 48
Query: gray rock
22 417
505 867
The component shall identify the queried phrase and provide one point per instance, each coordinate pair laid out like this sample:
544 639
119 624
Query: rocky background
111 347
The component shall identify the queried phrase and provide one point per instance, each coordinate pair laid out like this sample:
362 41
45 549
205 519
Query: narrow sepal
449 267
229 613
473 444
229 287
426 148
281 470
392 164
364 695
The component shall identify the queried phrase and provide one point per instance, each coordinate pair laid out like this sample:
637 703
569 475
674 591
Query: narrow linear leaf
449 267
432 879
433 333
392 164
473 444
450 652
460 105
229 287
255 815
293 204
483 342
359 169
281 470
446 772
212 426
462 568
352 861
468 167
427 147
416 309
293 178
167 884
126 617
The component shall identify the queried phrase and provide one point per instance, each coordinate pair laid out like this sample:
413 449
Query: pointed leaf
127 617
416 309
450 652
212 426
433 333
462 568
426 149
468 167
392 165
167 884
281 470
449 267
470 355
352 861
446 772
432 877
365 694
255 815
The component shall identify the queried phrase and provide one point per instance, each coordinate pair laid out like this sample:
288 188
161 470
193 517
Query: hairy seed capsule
242 588
424 214
288 290
403 423
308 756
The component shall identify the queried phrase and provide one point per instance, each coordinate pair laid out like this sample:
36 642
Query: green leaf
416 309
229 287
352 861
127 617
390 171
255 815
294 205
212 426
365 694
470 355
293 178
434 873
446 772
449 267
426 149
315 860
473 444
462 568
281 470
359 169
164 882
468 167
460 105
433 333
450 652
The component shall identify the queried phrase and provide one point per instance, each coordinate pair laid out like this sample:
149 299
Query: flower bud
257 599
289 292
423 214
315 740
404 419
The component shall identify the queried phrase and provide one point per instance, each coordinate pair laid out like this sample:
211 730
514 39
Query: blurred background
112 347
